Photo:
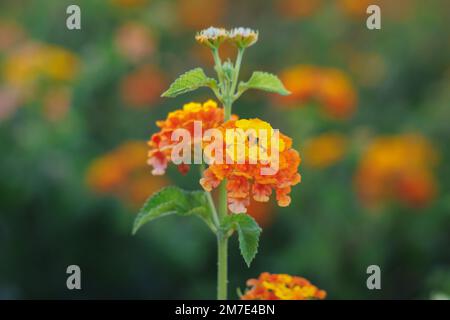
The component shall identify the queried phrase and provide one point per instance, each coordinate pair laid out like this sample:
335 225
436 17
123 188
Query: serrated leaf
173 200
189 81
264 81
248 232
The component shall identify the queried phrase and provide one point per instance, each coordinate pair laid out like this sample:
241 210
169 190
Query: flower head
397 167
243 37
281 287
250 171
212 37
161 144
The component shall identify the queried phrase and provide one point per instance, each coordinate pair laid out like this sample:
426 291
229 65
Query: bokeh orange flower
397 10
135 41
281 287
200 14
122 173
56 103
324 150
397 167
11 34
142 87
246 179
208 113
294 9
330 87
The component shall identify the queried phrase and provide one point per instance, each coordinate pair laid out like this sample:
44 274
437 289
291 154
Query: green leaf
248 232
264 81
173 200
189 81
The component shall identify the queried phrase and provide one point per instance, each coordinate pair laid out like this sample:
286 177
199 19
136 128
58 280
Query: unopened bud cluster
214 37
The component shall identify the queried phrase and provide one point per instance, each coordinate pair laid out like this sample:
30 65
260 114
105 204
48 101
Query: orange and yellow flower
245 178
398 167
122 173
281 287
161 144
330 87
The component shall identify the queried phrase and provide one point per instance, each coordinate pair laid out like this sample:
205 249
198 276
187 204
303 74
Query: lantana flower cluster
244 180
248 179
281 287
161 144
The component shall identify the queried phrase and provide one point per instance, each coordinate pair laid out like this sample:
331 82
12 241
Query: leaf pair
173 200
197 78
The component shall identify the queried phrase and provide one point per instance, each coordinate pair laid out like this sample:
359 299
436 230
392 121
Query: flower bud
212 37
243 37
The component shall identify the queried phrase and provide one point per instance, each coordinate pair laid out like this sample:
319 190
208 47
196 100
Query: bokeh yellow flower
281 287
34 61
324 150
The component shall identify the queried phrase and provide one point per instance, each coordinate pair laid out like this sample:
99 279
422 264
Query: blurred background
369 115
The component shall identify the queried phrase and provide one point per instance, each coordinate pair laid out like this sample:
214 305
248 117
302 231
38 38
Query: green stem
218 67
222 266
215 216
228 96
213 209
237 68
